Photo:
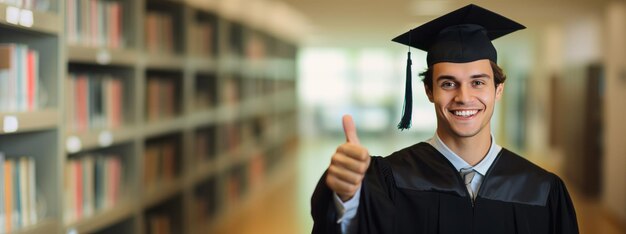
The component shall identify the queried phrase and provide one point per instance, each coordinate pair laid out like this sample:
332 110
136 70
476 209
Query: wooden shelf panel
43 226
202 170
202 64
17 122
43 22
101 56
165 61
102 219
161 192
165 126
204 117
99 138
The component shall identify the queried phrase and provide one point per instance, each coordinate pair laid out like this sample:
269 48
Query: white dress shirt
346 211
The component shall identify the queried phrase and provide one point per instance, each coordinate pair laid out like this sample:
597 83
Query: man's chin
465 133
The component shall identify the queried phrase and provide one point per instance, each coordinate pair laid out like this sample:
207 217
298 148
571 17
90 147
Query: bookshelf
149 116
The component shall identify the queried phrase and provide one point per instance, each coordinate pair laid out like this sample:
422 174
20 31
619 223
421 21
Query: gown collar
482 167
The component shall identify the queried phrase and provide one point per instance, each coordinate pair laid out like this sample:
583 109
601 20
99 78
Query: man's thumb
350 130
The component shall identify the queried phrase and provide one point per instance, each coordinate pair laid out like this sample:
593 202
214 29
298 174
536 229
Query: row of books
19 78
93 183
206 143
161 98
206 91
160 223
94 101
231 91
236 185
18 207
160 162
159 33
255 49
231 138
256 172
237 89
203 34
40 5
95 23
205 200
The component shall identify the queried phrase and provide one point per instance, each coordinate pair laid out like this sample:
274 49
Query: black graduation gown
417 190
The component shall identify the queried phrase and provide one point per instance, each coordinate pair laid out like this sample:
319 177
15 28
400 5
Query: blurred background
563 104
220 116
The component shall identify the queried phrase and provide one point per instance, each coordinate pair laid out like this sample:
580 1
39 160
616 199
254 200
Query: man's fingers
353 151
341 187
345 175
350 130
352 164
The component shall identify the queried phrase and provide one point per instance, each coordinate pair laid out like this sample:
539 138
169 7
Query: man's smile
465 113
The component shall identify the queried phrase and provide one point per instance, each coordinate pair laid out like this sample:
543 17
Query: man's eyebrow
481 75
451 77
446 77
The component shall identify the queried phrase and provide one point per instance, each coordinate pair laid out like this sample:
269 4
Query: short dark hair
498 75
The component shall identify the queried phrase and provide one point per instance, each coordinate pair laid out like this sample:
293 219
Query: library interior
220 116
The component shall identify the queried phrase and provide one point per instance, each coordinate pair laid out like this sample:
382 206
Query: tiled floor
286 208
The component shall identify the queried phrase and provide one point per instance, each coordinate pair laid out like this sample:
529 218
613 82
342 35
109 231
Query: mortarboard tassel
407 110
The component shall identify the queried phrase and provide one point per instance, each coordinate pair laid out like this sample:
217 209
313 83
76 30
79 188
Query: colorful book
2 194
32 191
17 196
8 189
23 188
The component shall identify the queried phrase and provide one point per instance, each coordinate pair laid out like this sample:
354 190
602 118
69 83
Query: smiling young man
460 180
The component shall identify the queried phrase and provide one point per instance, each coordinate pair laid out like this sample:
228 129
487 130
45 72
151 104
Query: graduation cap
461 36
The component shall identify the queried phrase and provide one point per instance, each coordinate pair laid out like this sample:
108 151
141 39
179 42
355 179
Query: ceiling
367 23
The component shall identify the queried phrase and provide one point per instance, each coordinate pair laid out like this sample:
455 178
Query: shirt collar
459 163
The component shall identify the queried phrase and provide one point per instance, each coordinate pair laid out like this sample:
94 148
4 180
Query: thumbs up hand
349 163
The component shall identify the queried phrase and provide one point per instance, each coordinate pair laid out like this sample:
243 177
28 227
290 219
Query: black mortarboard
461 36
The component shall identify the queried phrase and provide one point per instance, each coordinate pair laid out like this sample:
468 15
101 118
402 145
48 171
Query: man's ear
429 93
499 90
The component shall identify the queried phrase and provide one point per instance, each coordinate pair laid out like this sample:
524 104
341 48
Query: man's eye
447 84
477 83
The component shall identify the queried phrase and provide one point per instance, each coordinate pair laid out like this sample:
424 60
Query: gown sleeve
375 212
322 209
562 213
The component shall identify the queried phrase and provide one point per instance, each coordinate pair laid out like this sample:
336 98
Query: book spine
17 195
79 190
2 194
8 189
32 173
24 191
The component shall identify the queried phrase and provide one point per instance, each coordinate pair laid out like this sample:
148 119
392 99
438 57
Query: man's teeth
466 113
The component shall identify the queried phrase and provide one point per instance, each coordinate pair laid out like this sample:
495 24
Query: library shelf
42 226
282 173
222 86
101 56
29 20
103 219
202 64
203 170
204 117
227 112
18 122
161 127
161 191
165 61
99 138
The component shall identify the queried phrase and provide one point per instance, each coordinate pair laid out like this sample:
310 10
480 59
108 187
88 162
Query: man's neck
471 149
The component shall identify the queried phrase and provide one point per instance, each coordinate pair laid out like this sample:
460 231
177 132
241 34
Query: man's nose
463 95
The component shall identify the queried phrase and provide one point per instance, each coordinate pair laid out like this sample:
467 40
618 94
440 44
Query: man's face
464 95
